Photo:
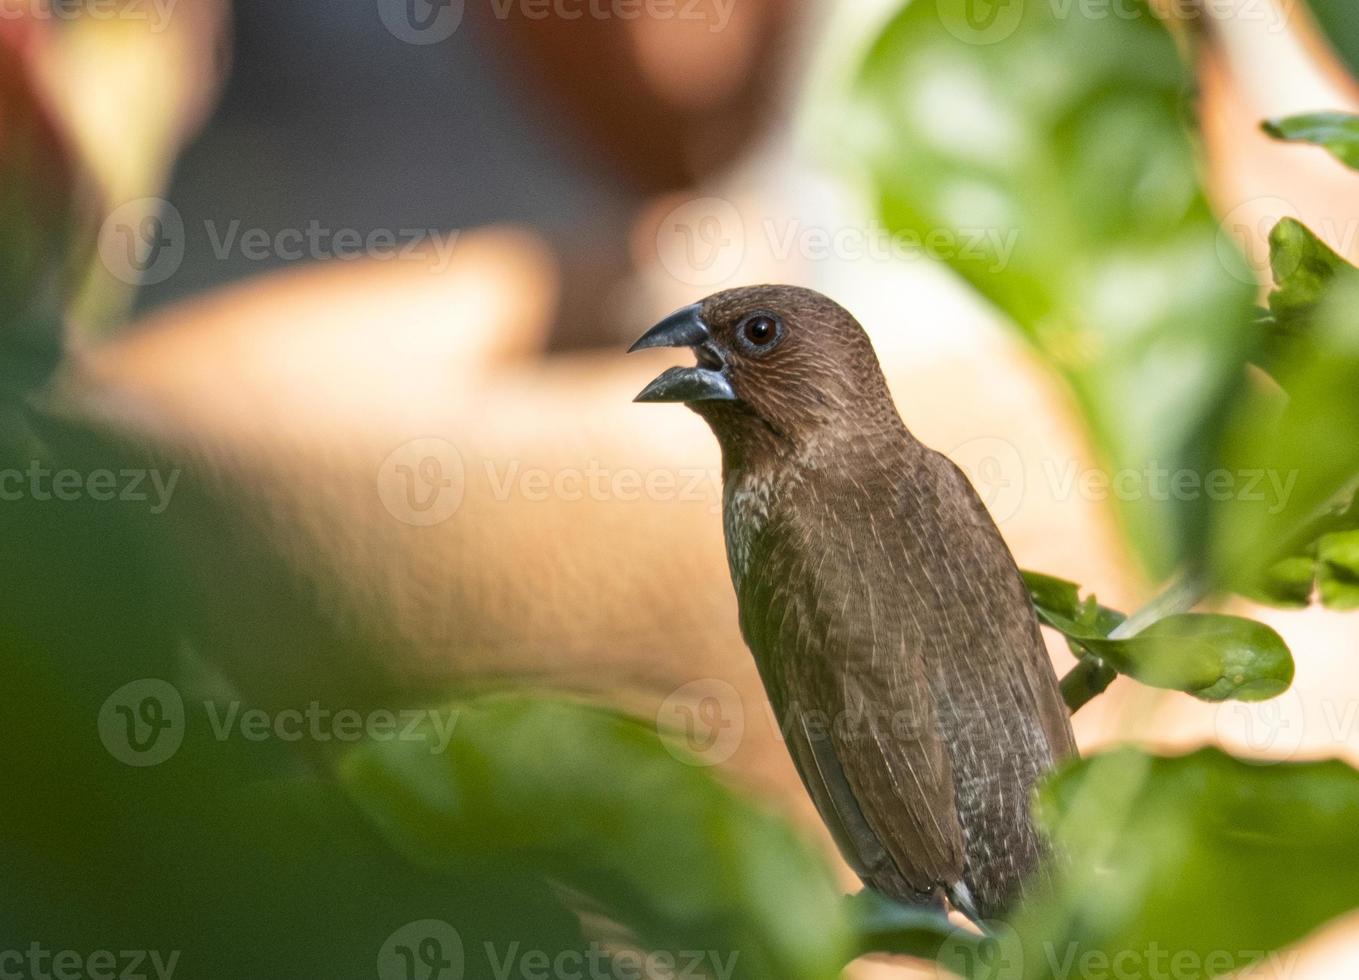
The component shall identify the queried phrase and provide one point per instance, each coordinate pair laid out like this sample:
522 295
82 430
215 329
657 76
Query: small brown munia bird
891 627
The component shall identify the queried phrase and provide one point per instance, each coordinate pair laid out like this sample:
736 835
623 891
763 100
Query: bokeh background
350 284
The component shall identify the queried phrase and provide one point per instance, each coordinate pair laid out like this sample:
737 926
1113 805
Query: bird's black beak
707 381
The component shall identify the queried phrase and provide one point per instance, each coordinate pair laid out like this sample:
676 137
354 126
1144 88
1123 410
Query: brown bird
892 629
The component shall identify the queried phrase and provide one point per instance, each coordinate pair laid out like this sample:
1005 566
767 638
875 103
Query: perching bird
892 629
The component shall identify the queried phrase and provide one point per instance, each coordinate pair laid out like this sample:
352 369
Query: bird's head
777 360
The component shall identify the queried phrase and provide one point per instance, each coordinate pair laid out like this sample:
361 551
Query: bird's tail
960 897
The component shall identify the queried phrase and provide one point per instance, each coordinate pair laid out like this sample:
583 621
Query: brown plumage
890 624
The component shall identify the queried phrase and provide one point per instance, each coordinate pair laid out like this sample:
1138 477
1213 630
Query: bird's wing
994 689
855 703
1022 679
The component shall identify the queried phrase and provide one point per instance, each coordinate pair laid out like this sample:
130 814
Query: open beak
706 381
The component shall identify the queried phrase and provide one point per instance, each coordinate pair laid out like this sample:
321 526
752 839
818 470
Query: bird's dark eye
760 330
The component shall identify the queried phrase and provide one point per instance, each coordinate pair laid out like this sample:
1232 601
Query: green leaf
1044 154
1338 570
1337 20
1288 583
1304 268
1060 606
1336 131
1053 596
1298 451
885 926
596 801
1203 857
1211 656
1292 582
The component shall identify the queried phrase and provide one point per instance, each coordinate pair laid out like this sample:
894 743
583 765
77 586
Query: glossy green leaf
1211 656
1044 154
1204 862
1338 132
594 800
1060 606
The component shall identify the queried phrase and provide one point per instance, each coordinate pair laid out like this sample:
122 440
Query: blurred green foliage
1063 133
1064 137
568 833
1301 428
593 799
1204 860
1337 19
